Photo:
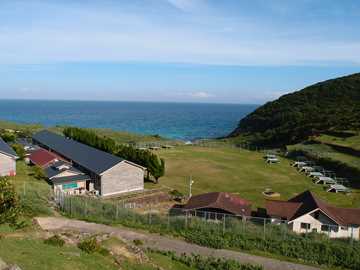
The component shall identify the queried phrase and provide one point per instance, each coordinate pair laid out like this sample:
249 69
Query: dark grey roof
52 171
88 157
72 178
6 149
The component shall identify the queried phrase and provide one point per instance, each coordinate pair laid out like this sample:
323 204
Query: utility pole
191 182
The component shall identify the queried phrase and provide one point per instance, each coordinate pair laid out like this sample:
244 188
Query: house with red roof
216 204
306 213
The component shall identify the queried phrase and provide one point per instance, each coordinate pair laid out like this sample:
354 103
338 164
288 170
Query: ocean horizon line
130 101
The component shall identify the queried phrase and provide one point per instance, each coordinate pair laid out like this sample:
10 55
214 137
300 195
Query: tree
8 137
19 149
39 173
9 202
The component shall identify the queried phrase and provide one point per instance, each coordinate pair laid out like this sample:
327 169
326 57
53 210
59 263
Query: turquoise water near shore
185 121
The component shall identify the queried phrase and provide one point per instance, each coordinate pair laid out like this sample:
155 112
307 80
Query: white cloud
112 33
201 94
192 95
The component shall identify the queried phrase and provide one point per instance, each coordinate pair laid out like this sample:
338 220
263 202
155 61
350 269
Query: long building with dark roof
109 174
8 159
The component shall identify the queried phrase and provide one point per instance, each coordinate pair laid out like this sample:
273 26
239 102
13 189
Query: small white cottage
305 213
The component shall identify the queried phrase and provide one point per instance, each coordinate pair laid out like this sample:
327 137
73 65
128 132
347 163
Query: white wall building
8 159
305 213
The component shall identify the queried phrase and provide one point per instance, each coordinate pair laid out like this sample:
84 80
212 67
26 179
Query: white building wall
7 165
315 224
123 177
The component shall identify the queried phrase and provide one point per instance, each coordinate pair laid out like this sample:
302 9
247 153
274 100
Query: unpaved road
164 243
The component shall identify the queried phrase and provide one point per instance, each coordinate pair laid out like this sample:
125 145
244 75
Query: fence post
70 201
244 224
117 210
264 228
168 221
224 223
85 208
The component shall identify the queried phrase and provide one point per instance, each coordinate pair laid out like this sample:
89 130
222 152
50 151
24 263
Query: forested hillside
329 105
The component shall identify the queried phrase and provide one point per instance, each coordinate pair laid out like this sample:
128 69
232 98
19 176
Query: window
69 185
344 228
305 226
325 228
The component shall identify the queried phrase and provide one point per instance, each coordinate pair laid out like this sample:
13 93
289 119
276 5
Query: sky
228 51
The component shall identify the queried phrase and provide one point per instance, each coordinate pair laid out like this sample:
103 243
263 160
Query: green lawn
327 151
33 254
353 141
34 194
21 127
241 172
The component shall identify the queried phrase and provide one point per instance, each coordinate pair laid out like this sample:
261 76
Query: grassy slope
328 152
239 171
352 142
34 193
16 126
31 253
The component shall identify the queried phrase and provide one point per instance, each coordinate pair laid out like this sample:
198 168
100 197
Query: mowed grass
352 141
328 152
241 172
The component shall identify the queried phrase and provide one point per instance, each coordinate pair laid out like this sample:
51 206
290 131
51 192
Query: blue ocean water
185 121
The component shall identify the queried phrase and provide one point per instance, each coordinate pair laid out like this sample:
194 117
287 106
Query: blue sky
174 50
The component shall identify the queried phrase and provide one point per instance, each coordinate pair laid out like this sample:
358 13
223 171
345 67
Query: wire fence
176 219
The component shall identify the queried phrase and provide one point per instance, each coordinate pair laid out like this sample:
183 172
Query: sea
182 121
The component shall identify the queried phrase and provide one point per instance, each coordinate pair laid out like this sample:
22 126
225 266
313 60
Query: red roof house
306 213
220 202
43 158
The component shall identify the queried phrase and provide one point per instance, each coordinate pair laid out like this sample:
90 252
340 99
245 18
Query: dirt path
164 243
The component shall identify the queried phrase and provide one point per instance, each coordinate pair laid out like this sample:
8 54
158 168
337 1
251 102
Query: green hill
322 107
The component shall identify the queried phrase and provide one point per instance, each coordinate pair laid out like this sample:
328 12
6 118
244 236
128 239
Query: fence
177 219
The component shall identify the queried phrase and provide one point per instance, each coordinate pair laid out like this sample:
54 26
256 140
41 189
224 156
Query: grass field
241 172
327 151
34 194
31 253
352 141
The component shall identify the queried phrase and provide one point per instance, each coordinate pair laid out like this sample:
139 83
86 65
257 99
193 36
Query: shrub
19 149
138 242
9 202
38 173
208 263
55 240
103 251
89 245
